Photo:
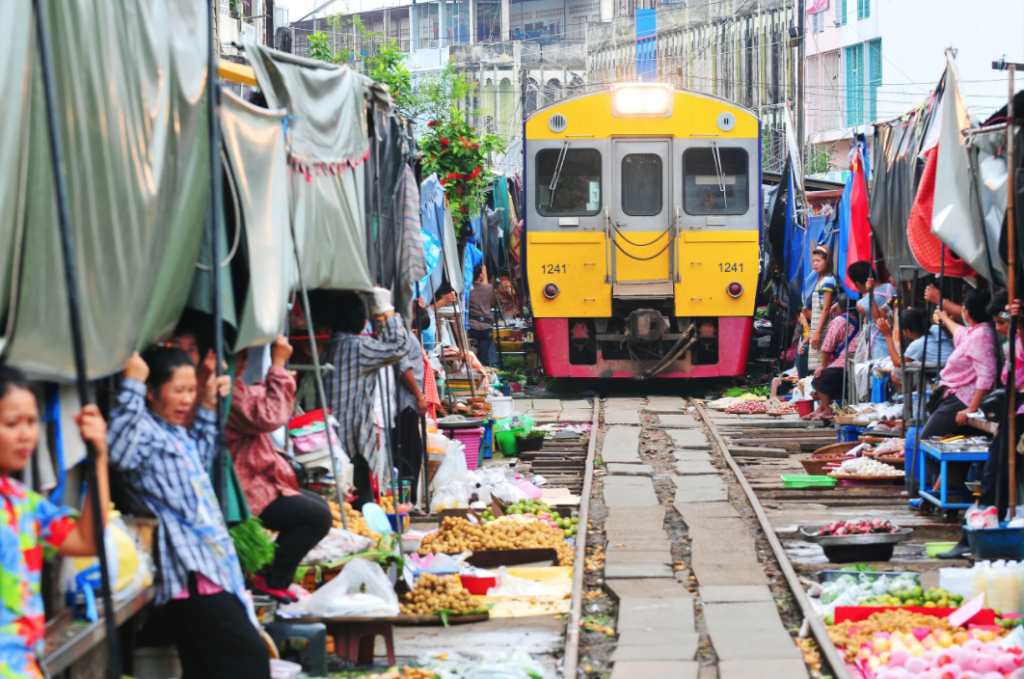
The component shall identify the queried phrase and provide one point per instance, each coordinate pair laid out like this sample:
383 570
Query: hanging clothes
412 265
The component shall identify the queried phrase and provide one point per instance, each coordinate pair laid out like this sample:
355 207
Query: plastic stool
354 640
312 653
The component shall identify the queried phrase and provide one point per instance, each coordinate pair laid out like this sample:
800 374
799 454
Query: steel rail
570 658
817 626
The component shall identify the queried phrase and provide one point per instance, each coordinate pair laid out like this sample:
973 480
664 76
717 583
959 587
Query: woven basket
816 463
432 468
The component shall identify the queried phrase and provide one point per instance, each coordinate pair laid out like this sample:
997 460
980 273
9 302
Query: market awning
236 73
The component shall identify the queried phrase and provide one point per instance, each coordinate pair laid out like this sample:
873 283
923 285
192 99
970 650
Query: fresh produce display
841 528
891 448
865 466
356 522
457 535
942 654
914 597
850 636
748 407
748 392
538 510
783 409
435 593
404 672
387 503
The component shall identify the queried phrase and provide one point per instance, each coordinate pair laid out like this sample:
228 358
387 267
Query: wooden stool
355 640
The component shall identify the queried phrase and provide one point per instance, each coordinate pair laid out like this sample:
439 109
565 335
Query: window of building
855 85
488 21
813 110
427 23
641 184
863 9
715 186
874 75
841 12
818 22
577 187
831 91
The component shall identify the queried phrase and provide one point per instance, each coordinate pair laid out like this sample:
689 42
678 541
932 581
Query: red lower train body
721 354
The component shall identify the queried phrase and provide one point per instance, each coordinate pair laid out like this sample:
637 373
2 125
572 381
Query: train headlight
734 289
551 291
642 100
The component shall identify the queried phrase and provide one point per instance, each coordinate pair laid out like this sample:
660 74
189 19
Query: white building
872 60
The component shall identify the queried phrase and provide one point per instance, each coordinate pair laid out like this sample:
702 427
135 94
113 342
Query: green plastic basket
506 440
805 481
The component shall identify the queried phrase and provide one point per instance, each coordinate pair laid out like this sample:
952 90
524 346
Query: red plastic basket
471 439
985 616
478 586
804 407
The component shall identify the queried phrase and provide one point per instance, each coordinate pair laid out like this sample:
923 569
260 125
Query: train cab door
639 232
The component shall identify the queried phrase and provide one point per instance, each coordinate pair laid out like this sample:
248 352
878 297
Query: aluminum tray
808 533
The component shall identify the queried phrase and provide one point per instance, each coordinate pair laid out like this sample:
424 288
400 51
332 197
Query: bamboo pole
74 312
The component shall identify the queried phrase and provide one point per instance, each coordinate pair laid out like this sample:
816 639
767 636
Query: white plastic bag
343 596
337 544
453 468
509 585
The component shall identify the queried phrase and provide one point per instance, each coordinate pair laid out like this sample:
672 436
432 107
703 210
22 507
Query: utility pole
1011 291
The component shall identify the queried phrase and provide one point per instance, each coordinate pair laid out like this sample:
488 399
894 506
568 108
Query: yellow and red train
643 222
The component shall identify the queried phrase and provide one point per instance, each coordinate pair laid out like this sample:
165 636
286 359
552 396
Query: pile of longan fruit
356 523
437 593
457 535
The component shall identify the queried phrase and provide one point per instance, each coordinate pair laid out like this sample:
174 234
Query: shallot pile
841 528
783 409
748 407
890 448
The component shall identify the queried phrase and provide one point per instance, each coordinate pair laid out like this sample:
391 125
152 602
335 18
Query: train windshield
568 182
641 184
715 181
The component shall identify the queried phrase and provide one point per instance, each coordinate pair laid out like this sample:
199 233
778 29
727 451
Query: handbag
301 473
994 406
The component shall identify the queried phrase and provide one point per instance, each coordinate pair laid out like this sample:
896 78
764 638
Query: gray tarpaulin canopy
327 137
131 86
254 144
16 32
956 217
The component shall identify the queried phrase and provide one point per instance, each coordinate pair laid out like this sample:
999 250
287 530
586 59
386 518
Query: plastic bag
531 491
453 468
979 518
454 496
509 585
337 544
361 589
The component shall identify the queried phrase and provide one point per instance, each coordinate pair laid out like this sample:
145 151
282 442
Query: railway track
813 623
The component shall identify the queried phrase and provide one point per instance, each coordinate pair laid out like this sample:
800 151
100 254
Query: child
828 381
31 527
819 302
201 591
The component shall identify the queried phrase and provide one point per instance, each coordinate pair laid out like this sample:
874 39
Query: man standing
481 298
350 387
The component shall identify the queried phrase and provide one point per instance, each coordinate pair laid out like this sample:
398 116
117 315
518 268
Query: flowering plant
458 154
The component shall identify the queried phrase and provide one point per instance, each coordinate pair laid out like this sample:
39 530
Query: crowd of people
965 342
162 437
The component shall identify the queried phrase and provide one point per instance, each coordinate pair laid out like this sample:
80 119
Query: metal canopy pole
1011 392
74 312
213 224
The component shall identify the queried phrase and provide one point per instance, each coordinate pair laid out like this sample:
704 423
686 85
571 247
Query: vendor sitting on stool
828 378
301 517
969 375
995 475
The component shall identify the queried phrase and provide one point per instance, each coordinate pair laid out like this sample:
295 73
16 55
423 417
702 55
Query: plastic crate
849 433
470 438
996 543
807 481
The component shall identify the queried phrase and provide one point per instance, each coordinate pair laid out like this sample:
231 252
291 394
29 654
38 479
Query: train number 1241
554 268
730 268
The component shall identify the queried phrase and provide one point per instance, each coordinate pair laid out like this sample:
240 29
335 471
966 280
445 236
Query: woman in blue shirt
819 302
201 590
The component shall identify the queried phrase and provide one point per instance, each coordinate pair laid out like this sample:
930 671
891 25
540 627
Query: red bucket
804 407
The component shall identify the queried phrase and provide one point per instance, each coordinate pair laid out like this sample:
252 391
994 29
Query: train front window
641 184
568 182
715 181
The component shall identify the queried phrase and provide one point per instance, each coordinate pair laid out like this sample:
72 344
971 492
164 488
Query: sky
299 8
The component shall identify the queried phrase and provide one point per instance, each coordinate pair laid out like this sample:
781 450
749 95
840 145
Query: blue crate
996 543
848 433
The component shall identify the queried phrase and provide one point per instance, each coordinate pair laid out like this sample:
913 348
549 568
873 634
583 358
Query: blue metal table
943 458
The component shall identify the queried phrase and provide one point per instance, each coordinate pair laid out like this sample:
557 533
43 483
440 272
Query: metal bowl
809 534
